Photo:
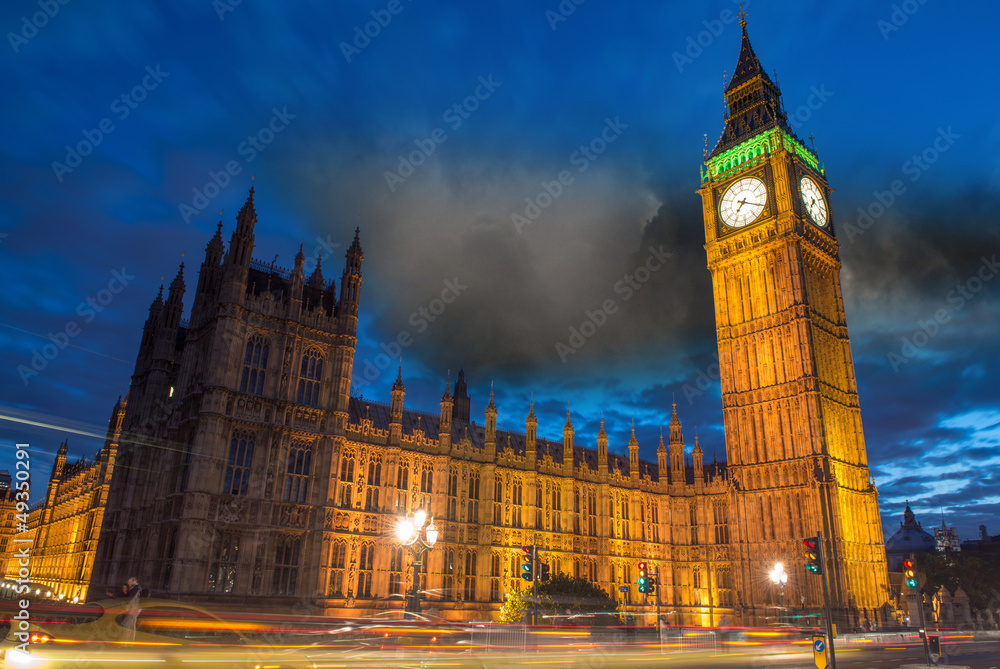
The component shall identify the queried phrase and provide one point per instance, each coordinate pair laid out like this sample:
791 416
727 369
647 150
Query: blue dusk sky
510 166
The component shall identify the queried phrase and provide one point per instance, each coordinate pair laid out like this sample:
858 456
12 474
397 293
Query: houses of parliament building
239 470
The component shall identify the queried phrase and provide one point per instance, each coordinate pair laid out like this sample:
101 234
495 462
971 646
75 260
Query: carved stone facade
248 475
794 441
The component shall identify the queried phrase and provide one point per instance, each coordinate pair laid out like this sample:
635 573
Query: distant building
946 538
911 537
984 544
63 529
8 526
5 481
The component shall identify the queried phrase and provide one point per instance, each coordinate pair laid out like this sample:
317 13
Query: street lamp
779 578
408 531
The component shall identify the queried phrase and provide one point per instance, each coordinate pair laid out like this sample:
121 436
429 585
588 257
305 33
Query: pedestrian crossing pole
826 600
534 582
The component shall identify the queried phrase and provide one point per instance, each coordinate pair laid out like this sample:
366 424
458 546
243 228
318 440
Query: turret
149 332
209 280
568 445
676 449
350 288
110 450
51 493
173 309
602 451
633 456
236 264
661 458
60 461
396 409
241 244
297 281
463 404
531 437
316 278
491 428
444 428
697 459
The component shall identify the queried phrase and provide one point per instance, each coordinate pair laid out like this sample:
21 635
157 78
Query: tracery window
453 494
286 566
255 365
297 471
402 486
470 577
374 481
516 504
225 558
449 574
310 375
365 573
472 511
338 561
345 494
498 502
238 464
396 571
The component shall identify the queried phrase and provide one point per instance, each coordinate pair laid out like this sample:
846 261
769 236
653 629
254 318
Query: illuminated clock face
812 198
743 202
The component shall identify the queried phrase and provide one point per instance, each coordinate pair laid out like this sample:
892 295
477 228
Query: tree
559 599
565 595
515 606
977 576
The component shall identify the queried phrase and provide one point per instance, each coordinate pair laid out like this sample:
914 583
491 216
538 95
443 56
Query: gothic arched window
310 374
297 472
365 573
255 365
374 481
286 566
238 464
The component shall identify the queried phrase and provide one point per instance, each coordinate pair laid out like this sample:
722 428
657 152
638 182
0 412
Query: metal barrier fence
499 637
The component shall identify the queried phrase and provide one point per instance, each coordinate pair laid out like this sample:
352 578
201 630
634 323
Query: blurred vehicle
168 633
397 628
405 616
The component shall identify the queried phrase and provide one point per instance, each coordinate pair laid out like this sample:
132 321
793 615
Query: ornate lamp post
409 533
779 578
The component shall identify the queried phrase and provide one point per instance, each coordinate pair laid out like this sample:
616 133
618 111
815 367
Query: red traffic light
528 550
910 573
814 555
642 566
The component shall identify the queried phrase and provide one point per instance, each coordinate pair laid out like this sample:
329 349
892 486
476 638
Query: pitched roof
748 66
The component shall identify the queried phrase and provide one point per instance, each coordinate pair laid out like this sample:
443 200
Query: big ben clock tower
794 441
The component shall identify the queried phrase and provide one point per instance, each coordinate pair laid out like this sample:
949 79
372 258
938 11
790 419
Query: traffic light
527 567
910 573
643 580
651 585
543 571
814 555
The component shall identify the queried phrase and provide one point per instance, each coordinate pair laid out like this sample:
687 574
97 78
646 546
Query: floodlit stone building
63 529
246 473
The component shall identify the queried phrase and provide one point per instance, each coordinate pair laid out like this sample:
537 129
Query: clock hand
742 202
